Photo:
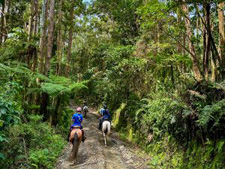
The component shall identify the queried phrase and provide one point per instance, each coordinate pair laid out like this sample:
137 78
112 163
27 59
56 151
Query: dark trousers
100 123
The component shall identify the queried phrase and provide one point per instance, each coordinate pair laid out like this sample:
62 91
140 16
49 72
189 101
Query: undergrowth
177 130
32 145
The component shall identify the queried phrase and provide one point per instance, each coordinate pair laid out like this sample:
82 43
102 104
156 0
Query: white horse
105 130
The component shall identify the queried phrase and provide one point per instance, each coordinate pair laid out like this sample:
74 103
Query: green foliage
9 115
32 144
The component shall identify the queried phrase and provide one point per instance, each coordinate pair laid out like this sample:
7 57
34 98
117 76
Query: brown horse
75 139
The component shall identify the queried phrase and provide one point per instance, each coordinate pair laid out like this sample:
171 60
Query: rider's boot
99 125
83 136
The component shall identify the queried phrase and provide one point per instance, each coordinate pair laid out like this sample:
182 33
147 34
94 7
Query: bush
32 144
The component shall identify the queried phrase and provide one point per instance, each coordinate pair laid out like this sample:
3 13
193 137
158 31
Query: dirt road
93 155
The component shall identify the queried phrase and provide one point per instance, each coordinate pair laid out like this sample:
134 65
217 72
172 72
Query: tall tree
221 36
195 62
59 37
2 22
5 19
35 31
43 35
50 36
31 19
71 28
206 40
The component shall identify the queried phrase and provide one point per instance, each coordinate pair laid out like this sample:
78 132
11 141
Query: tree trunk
195 65
50 36
36 12
2 23
44 103
35 31
70 40
55 117
59 38
43 35
31 20
34 60
179 47
221 37
206 41
5 19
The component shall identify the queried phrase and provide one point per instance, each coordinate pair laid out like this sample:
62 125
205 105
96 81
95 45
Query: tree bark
195 64
70 40
50 36
43 35
55 117
221 37
206 41
2 22
59 38
36 13
35 31
44 104
5 19
31 20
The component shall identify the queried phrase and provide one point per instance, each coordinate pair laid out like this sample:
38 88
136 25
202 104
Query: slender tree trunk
5 19
179 47
35 31
206 41
195 65
44 97
44 104
221 37
36 13
43 35
31 20
2 23
59 38
55 117
70 39
34 60
50 36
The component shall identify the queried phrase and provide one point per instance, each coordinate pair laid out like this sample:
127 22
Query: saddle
106 119
75 127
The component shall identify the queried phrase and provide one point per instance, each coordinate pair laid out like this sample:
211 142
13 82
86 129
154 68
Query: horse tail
106 129
75 148
75 138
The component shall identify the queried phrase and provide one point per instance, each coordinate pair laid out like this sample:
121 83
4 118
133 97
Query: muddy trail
93 154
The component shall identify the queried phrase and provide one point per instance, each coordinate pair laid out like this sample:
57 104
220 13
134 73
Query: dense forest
159 65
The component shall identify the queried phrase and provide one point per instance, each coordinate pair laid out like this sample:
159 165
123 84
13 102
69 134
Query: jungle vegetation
159 65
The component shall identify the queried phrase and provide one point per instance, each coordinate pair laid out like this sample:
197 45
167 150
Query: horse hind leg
74 151
105 139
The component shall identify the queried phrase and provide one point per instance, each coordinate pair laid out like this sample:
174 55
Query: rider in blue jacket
105 115
77 119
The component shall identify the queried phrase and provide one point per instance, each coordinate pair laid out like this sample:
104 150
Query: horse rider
105 115
85 103
77 119
85 107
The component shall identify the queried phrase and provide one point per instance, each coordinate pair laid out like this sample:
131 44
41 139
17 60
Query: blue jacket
105 114
77 119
